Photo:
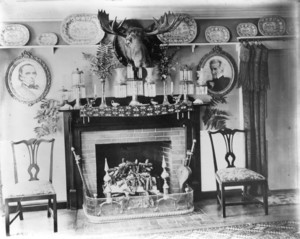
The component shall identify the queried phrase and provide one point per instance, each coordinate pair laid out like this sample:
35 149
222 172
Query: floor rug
266 230
283 198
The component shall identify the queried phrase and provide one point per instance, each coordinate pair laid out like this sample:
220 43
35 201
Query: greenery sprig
104 61
166 62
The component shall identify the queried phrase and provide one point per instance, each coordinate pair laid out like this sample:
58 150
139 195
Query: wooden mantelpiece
74 125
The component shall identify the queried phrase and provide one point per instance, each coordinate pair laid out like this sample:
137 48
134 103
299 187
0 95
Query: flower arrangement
166 62
104 61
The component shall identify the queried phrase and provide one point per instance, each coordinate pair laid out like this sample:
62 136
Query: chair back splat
228 136
33 148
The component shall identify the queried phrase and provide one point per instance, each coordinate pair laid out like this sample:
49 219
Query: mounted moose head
133 42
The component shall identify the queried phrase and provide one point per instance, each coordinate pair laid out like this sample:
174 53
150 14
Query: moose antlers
114 28
161 26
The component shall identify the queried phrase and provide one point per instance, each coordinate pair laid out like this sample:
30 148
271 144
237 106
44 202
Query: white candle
129 72
172 87
185 75
140 73
200 75
190 76
95 90
75 79
181 75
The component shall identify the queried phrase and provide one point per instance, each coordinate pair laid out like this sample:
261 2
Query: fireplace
131 138
135 144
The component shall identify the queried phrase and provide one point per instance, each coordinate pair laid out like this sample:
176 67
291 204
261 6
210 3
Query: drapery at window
254 79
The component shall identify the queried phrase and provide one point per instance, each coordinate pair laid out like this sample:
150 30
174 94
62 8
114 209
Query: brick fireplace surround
176 152
84 134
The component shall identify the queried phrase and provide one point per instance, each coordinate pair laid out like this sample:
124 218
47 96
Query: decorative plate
246 29
81 29
271 26
14 35
291 27
217 34
185 32
48 38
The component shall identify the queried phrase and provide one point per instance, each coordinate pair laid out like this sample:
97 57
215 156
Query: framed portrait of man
28 79
219 71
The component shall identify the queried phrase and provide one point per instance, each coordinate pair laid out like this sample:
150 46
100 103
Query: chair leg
265 197
244 193
20 211
218 193
54 213
7 222
223 200
48 208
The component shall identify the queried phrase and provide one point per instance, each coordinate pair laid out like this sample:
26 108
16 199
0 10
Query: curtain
254 80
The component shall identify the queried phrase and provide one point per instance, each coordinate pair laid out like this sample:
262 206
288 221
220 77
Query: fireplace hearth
130 138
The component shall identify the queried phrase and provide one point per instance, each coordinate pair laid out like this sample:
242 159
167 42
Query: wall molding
58 10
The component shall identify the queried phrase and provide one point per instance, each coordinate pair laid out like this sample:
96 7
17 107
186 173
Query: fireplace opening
141 151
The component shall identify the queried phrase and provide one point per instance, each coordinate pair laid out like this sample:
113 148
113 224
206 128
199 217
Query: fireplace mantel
74 125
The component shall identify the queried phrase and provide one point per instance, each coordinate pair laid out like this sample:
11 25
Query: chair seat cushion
30 188
229 175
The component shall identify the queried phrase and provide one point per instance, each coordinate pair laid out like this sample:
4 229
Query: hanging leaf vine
213 117
47 117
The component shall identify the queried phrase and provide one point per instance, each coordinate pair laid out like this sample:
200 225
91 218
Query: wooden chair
34 189
231 175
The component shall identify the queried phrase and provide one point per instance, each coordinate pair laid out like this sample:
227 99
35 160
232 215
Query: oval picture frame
28 79
228 71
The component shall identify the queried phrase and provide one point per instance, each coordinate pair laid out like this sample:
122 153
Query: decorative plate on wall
246 29
81 29
47 38
271 26
185 32
14 35
217 34
291 27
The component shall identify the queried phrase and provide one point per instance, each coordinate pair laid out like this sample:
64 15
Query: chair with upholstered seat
229 175
28 159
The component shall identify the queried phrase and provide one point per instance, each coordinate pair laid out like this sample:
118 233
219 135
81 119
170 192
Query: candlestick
103 100
165 101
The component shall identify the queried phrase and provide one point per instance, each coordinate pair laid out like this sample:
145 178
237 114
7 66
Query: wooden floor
73 222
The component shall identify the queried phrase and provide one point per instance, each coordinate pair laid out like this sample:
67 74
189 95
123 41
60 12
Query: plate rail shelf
192 45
